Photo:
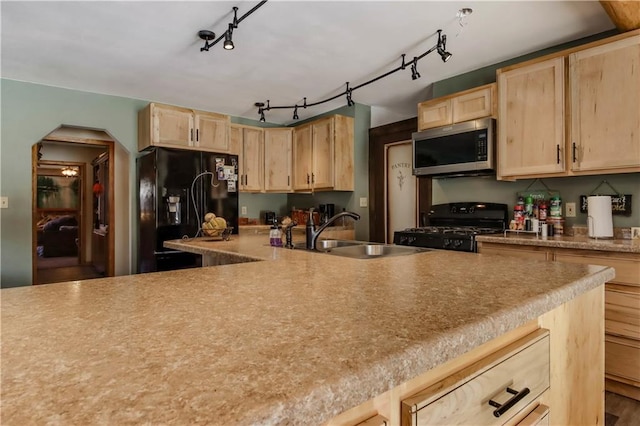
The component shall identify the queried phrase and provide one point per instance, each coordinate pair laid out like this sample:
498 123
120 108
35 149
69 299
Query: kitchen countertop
295 339
563 241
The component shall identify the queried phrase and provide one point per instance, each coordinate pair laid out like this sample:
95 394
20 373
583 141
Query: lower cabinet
490 391
622 307
544 372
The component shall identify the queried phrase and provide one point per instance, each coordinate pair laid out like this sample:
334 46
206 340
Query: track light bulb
228 43
444 55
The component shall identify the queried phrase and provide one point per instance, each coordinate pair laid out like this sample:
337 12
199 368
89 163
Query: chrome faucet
312 233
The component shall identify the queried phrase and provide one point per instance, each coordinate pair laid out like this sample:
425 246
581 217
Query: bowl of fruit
216 226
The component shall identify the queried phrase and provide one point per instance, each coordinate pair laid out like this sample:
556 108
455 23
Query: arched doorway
73 234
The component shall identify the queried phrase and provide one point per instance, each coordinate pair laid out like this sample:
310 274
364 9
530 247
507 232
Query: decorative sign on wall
620 204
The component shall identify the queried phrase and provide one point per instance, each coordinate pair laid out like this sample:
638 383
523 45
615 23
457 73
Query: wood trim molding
624 14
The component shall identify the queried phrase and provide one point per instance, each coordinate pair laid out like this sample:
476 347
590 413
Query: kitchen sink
324 245
373 251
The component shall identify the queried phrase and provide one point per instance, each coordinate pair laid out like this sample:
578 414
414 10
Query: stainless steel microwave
458 150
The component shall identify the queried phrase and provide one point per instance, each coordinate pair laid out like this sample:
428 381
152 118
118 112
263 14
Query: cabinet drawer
627 265
375 421
622 358
622 310
466 397
525 252
538 417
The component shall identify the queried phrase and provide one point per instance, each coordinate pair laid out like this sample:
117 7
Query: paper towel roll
599 216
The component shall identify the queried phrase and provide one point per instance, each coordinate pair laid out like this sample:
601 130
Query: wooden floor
63 268
626 409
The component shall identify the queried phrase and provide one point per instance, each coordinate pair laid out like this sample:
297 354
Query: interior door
401 189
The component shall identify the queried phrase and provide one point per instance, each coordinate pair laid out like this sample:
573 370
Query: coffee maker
326 212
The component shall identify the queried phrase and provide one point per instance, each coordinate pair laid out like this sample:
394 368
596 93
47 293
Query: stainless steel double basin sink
363 249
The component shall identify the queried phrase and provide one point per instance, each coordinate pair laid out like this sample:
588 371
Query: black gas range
454 226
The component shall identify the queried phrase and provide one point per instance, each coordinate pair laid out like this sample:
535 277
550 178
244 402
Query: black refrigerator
176 189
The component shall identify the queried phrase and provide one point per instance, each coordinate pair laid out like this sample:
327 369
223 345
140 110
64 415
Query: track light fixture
207 35
441 47
414 70
228 43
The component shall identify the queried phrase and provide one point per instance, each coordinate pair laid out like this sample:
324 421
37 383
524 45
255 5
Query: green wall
31 111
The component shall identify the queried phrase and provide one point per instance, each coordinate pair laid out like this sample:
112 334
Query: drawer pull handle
503 408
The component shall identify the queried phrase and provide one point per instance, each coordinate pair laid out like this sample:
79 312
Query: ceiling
284 51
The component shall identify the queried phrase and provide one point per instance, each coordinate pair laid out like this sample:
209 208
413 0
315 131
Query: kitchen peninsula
294 338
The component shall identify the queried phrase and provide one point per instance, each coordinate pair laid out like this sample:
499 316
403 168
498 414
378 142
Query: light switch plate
570 210
243 210
363 201
4 202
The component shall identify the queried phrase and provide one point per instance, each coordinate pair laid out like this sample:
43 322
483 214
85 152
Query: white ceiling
285 51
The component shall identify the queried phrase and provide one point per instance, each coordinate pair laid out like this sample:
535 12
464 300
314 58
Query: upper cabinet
323 153
278 145
575 113
531 119
468 105
175 127
605 106
248 144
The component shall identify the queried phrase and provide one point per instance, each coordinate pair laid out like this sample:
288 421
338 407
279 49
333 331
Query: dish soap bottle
275 236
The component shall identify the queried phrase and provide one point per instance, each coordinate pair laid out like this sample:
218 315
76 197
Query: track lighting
414 70
440 47
207 35
228 43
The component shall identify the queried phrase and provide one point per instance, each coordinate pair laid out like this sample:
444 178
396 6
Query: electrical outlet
570 209
244 210
4 202
363 201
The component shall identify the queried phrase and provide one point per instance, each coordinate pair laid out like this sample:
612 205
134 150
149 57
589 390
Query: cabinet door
476 104
322 171
434 113
253 142
172 126
531 123
212 132
236 147
343 152
302 158
605 106
278 145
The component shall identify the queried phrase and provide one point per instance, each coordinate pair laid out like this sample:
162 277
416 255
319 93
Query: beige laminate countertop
295 339
563 241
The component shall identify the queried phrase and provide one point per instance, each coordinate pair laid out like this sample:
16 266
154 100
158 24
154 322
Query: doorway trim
110 146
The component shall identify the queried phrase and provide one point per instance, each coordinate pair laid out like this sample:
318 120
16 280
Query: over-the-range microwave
461 149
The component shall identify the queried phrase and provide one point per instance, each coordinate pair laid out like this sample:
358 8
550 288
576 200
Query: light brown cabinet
622 307
175 127
278 146
575 112
558 357
323 155
490 391
468 105
248 144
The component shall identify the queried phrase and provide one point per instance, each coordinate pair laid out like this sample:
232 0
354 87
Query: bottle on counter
519 216
555 207
275 236
543 211
528 206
